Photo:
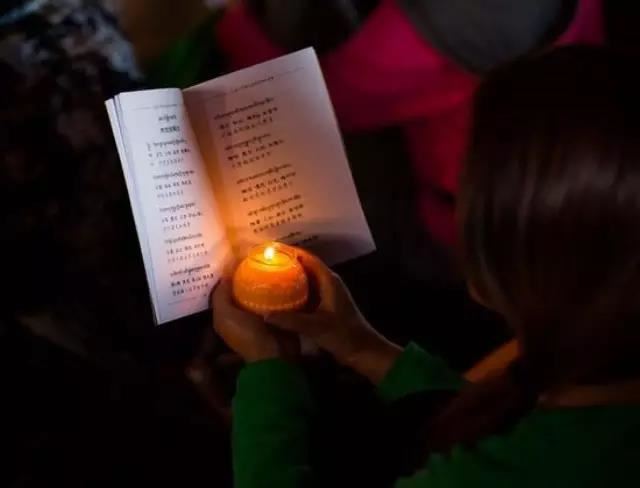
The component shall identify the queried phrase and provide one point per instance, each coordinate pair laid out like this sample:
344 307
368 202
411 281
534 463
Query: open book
248 157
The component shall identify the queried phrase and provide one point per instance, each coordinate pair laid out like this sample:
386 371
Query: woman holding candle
550 239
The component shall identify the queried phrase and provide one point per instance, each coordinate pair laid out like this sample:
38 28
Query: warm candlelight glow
269 253
270 279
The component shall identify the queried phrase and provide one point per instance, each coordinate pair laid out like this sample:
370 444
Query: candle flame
269 253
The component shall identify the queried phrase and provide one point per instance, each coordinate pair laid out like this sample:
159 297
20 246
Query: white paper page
114 118
181 233
279 167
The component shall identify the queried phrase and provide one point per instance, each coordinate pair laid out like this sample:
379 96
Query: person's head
550 211
549 214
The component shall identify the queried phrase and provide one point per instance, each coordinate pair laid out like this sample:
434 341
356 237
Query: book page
181 233
271 140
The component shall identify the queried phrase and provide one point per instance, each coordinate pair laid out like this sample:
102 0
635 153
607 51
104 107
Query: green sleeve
416 370
493 463
272 410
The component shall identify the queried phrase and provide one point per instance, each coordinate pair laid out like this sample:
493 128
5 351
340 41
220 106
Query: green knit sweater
581 447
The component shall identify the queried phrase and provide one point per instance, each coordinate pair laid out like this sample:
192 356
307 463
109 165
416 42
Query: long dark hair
549 214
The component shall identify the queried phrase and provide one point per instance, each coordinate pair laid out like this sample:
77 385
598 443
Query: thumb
302 323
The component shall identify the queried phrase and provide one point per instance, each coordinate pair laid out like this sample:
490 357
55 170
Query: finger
229 359
224 305
221 298
229 266
302 323
288 341
323 276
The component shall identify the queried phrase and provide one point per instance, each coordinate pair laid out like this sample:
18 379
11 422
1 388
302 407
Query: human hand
337 325
247 334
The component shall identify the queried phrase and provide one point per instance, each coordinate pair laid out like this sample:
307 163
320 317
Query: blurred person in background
68 244
86 401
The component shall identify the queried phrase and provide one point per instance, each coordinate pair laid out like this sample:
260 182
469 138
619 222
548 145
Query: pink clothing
388 74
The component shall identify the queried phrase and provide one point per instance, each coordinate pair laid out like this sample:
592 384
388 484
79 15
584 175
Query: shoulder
582 447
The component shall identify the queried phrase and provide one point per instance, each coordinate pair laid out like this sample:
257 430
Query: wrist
375 358
263 354
287 349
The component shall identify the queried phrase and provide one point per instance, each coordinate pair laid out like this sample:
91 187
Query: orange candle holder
270 279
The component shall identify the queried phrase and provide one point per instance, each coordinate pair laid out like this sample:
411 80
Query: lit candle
270 279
